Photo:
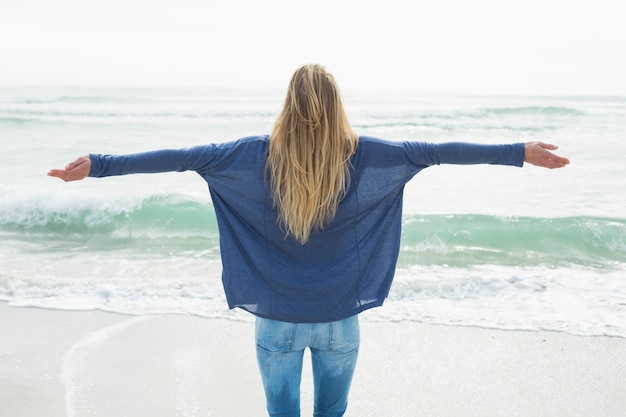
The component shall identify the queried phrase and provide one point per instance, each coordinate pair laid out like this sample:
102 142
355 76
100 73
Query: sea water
490 246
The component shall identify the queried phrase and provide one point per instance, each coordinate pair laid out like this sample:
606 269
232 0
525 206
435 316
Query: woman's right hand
538 153
74 171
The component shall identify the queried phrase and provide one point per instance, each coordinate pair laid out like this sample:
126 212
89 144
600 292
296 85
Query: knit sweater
343 269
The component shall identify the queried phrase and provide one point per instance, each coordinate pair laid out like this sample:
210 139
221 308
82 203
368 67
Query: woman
310 221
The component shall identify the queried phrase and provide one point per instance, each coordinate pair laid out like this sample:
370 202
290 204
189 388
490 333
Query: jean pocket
275 336
345 335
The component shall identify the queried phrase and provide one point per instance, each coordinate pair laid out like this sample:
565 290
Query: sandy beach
78 364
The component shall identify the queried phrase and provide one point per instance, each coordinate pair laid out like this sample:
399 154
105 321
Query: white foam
582 302
35 206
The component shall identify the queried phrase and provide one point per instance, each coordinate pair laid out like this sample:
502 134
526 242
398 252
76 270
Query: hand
538 153
73 171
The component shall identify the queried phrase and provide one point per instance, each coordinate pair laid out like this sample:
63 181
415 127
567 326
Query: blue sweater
341 270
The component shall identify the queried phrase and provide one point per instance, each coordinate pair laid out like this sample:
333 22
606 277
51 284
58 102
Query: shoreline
99 364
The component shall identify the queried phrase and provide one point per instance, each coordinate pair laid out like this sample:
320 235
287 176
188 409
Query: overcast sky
476 46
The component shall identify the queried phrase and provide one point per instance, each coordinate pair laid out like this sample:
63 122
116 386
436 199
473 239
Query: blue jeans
280 350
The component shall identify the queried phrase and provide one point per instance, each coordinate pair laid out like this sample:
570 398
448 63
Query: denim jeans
280 350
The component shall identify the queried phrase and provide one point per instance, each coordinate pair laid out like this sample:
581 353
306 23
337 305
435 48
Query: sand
78 364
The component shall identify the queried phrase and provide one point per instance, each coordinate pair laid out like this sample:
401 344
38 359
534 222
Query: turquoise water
484 246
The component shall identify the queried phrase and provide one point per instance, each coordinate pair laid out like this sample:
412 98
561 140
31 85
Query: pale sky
476 46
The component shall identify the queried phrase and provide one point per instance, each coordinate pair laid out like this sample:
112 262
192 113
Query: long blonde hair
309 150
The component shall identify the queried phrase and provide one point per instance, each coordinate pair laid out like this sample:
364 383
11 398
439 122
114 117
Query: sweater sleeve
421 154
166 160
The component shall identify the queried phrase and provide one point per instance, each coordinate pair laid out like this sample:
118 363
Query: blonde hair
309 150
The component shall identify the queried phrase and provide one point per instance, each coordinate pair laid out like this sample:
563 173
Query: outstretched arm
423 154
196 158
538 153
74 171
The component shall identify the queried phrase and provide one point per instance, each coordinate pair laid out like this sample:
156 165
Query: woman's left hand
74 171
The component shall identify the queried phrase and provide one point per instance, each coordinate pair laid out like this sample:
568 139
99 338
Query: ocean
488 246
